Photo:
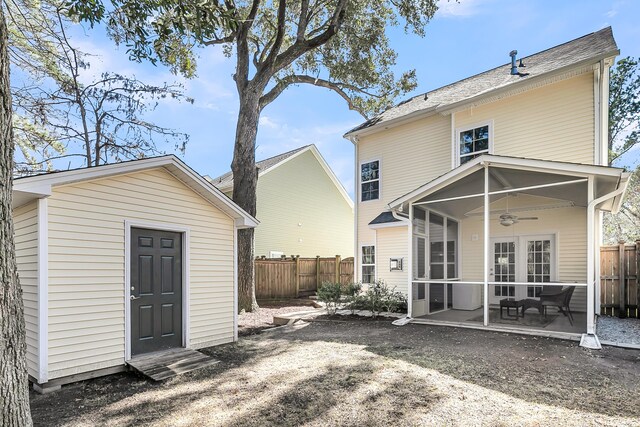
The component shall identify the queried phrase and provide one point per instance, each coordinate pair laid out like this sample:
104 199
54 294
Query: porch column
486 244
591 327
410 264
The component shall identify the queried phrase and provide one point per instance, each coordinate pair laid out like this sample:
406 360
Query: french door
528 259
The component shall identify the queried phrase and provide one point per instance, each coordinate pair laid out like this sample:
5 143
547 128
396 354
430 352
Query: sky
463 39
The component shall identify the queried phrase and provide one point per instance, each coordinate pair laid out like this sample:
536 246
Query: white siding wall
301 212
410 155
25 220
554 122
86 265
392 243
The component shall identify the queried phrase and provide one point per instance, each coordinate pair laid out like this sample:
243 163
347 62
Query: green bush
330 294
353 298
379 297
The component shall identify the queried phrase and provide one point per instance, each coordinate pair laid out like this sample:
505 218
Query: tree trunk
245 180
14 386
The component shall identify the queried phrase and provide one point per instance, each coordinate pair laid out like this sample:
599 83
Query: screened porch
508 243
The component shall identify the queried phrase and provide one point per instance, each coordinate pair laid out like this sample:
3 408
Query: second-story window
473 142
370 181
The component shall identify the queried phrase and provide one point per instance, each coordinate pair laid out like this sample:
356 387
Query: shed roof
39 186
590 48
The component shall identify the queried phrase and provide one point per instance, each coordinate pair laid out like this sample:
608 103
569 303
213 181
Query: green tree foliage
339 45
624 108
624 131
61 112
625 225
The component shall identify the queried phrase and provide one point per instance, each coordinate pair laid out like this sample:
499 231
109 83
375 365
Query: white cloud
266 121
458 8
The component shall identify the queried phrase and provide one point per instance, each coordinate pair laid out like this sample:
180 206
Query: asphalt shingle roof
599 44
226 181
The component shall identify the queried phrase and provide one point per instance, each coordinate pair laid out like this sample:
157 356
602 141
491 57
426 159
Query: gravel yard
623 331
366 372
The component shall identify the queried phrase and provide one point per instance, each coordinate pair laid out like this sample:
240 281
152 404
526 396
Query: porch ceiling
507 177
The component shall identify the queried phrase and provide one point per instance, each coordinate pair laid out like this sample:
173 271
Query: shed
121 260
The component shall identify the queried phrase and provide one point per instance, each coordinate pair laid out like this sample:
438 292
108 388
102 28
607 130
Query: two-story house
488 192
302 207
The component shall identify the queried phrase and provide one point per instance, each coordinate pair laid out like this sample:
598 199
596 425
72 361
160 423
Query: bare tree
61 113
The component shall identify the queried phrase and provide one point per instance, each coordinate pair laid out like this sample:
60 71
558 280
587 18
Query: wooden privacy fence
619 280
293 277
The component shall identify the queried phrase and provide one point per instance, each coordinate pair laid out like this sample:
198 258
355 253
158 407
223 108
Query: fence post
622 280
297 276
338 261
317 271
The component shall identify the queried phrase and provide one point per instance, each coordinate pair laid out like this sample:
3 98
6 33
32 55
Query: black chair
560 300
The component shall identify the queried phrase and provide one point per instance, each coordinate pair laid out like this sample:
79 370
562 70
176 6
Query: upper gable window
473 142
370 181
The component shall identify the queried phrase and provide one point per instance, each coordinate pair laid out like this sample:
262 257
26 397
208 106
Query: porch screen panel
436 239
504 268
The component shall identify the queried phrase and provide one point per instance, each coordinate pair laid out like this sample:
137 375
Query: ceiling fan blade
528 218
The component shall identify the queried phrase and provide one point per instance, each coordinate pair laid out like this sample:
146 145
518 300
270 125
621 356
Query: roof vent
514 68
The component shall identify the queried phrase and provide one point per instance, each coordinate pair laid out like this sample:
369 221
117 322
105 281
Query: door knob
133 297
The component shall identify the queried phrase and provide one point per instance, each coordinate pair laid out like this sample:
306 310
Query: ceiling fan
508 219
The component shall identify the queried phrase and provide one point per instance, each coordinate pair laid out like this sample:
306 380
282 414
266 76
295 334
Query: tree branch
338 88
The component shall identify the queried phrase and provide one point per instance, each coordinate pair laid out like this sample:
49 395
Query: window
368 264
370 181
473 142
538 265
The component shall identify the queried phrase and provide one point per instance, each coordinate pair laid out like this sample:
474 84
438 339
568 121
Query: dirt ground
252 323
366 372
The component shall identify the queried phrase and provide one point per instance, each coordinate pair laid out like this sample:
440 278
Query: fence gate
619 280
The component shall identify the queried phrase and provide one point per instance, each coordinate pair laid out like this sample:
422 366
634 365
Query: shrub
379 297
330 294
352 296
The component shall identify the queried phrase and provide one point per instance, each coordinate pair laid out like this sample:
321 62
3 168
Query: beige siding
25 220
553 122
392 243
567 224
410 155
301 212
86 265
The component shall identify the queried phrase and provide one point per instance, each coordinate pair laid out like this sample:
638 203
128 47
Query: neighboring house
534 131
121 260
302 207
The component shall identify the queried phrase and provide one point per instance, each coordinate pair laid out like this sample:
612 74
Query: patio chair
560 300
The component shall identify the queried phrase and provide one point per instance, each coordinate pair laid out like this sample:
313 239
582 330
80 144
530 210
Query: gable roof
33 187
577 53
225 182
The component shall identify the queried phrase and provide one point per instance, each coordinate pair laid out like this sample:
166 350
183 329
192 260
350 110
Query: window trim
456 139
362 264
379 180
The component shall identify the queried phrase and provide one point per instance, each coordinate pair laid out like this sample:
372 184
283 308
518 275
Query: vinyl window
368 263
370 181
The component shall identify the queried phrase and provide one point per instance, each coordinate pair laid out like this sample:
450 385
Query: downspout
356 202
